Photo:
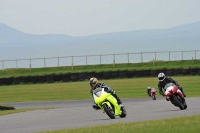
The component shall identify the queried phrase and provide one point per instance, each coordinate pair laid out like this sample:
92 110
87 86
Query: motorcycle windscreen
168 85
98 94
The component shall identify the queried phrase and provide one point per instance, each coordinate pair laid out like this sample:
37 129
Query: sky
88 17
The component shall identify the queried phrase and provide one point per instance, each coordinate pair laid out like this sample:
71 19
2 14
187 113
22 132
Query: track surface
72 114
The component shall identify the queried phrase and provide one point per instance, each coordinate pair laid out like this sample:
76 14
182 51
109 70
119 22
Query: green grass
6 112
189 124
126 88
13 72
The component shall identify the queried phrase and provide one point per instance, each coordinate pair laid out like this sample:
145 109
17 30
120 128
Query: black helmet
93 82
161 77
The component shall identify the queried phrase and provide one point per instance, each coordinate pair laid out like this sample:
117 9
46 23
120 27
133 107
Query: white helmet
161 76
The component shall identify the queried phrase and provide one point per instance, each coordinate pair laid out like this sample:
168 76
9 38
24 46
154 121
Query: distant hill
185 34
12 37
184 37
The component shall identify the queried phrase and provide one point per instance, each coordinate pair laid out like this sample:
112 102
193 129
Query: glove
177 84
91 91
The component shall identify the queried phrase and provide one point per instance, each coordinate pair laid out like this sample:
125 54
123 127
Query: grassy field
126 88
189 124
98 68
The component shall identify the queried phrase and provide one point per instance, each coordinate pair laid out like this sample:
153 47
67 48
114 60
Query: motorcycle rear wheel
123 112
109 111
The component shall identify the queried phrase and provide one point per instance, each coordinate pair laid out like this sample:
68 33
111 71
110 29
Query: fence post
72 62
30 64
169 55
86 59
2 65
44 63
113 60
16 64
182 55
195 54
100 59
58 62
128 57
155 55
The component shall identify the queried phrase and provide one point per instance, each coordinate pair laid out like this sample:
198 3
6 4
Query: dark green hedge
100 75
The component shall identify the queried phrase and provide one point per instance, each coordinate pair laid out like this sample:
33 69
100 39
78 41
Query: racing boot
183 94
181 89
167 98
95 107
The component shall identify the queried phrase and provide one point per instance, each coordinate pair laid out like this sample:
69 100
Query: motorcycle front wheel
109 111
185 105
153 97
178 102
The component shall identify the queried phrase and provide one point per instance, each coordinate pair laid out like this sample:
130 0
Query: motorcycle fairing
171 90
102 97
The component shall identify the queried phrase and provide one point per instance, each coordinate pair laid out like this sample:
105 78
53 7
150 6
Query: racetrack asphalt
79 113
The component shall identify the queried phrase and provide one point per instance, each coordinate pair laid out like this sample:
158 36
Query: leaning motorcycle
108 103
153 93
175 95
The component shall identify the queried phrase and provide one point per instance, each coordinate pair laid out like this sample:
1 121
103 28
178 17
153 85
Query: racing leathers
108 90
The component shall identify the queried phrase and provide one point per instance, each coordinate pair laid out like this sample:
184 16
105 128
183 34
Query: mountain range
183 37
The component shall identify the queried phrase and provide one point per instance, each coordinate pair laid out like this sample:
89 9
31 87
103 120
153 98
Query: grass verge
126 88
188 124
6 112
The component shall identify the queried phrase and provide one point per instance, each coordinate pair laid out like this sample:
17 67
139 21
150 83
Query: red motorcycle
153 93
175 96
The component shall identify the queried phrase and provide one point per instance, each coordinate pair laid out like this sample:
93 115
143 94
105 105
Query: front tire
154 97
185 105
178 102
109 111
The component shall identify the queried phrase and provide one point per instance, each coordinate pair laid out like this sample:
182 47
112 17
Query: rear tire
109 111
123 112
